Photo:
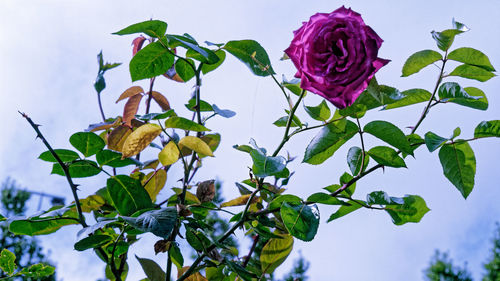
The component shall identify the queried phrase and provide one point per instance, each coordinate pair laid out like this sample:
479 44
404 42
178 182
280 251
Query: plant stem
363 153
286 137
426 109
228 233
100 107
150 94
252 249
72 185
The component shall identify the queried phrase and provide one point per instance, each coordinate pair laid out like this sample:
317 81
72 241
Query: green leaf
93 241
206 68
64 154
386 156
152 269
185 69
87 143
204 106
459 166
321 112
241 271
350 207
151 61
197 239
193 49
476 99
283 121
264 166
413 209
445 38
419 60
278 201
159 222
127 194
327 141
112 158
175 254
323 198
433 141
452 90
382 198
153 28
37 271
472 72
78 169
472 57
412 96
275 252
156 116
488 129
252 55
301 221
354 160
292 85
40 226
389 133
184 124
8 262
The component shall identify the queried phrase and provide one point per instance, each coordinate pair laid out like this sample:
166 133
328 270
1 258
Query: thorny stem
72 185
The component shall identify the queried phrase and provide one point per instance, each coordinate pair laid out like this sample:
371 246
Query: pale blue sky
48 51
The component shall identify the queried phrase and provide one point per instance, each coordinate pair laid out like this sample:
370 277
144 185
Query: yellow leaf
275 253
91 203
193 277
155 181
169 154
139 139
117 137
196 144
130 92
240 201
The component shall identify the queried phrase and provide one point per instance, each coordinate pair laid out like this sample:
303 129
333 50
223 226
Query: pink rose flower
336 55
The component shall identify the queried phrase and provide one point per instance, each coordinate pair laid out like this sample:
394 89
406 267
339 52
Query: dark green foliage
492 266
442 268
27 249
298 272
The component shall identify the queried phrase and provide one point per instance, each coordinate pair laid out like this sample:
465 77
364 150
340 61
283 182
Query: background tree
493 265
27 249
442 268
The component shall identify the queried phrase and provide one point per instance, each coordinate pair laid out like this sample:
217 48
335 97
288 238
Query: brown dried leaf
162 246
130 109
130 92
161 100
172 75
139 139
183 211
206 191
117 137
137 43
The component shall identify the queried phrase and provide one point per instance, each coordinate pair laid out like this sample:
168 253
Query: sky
48 63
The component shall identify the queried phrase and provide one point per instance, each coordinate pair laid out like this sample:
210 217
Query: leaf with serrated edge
419 60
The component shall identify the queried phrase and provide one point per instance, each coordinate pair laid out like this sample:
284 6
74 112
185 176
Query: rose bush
336 55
